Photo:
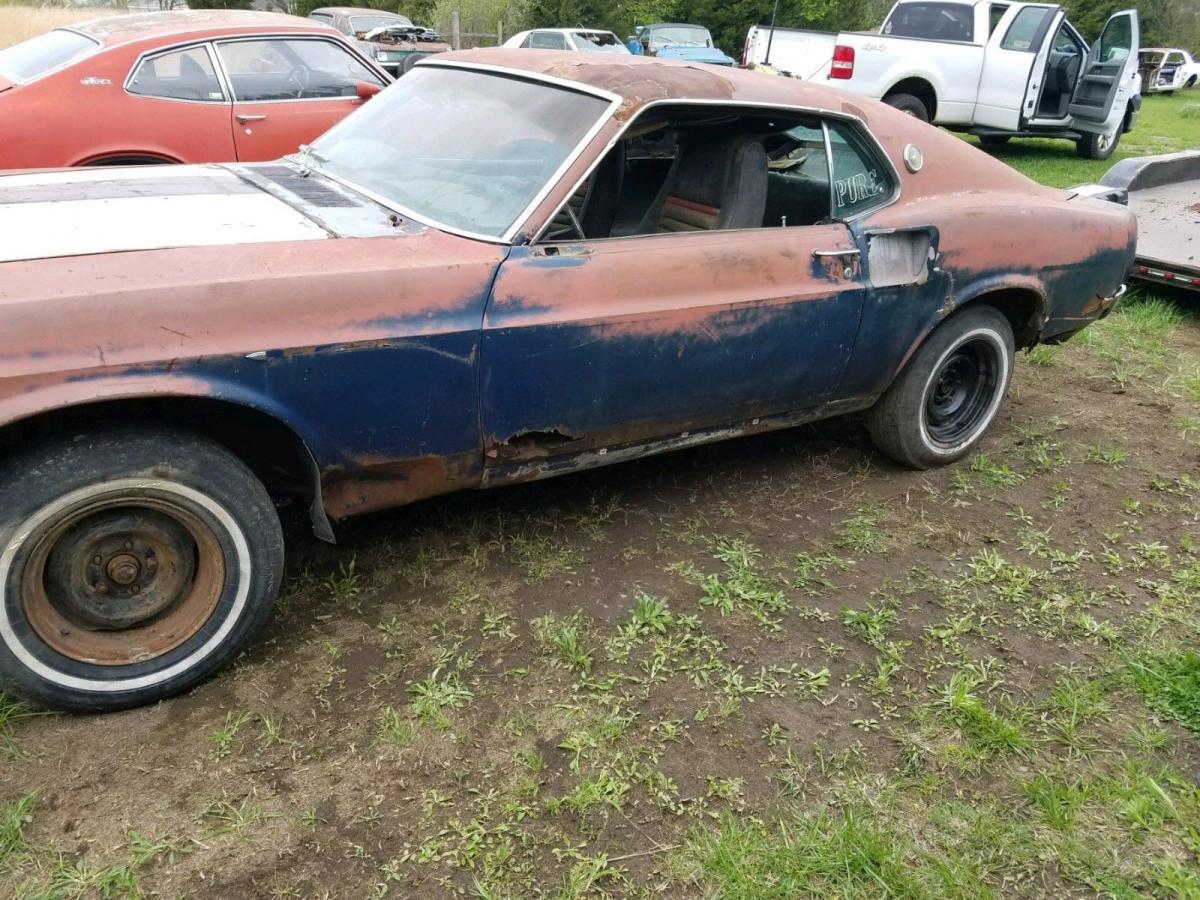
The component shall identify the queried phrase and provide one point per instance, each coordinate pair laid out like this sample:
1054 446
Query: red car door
288 91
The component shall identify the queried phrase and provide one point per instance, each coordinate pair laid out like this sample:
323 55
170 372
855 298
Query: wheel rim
1103 142
961 393
122 580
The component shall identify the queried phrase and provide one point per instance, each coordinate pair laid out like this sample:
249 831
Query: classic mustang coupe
573 261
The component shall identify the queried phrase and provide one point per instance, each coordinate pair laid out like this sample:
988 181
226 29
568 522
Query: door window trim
384 81
824 114
149 55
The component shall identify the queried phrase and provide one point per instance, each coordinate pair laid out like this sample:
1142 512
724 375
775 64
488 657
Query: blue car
692 43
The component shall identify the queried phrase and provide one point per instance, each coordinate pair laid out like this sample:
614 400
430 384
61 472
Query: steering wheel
298 78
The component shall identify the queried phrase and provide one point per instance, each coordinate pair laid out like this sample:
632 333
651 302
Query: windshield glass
33 58
363 24
468 150
602 41
681 35
936 21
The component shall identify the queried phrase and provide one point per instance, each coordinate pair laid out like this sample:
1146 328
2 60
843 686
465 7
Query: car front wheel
943 402
133 565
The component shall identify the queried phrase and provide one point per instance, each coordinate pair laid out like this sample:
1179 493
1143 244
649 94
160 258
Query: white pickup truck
997 69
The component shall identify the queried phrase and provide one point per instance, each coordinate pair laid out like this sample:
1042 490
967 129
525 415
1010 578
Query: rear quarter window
935 21
43 54
860 178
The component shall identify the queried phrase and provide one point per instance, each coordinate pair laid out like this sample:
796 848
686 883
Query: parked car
174 87
392 40
693 43
1166 71
565 266
998 70
584 39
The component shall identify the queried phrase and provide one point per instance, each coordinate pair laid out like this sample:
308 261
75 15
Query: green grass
1165 125
1170 682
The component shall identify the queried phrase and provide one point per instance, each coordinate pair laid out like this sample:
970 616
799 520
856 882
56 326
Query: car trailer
1164 192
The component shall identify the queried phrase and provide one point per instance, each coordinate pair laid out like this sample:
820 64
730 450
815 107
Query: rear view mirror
364 90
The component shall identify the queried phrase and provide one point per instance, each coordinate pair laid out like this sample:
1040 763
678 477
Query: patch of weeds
650 616
605 788
226 817
13 819
811 570
562 640
1057 801
871 624
437 693
222 738
391 727
1113 457
540 557
861 532
993 474
725 788
988 732
742 587
346 583
1170 684
597 515
11 712
1042 355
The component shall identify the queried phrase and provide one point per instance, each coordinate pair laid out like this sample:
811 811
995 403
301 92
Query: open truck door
1098 104
1013 62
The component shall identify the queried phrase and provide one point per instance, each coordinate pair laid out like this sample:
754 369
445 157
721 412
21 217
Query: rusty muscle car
572 262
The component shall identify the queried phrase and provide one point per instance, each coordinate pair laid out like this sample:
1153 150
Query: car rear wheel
907 103
1098 146
948 395
133 565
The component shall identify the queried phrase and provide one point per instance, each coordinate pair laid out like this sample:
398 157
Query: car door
1013 61
652 339
1105 82
175 105
289 90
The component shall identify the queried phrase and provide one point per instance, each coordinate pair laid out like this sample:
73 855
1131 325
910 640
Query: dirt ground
772 667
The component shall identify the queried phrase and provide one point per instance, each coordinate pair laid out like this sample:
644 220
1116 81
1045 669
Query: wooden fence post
499 34
455 33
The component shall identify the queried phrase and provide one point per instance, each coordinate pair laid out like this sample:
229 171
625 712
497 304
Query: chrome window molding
820 112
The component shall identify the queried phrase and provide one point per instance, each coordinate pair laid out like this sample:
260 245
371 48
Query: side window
1116 40
1064 42
547 40
995 14
858 177
1022 33
181 75
525 43
1174 59
292 70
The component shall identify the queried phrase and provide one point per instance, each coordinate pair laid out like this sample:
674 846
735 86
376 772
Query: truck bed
1164 193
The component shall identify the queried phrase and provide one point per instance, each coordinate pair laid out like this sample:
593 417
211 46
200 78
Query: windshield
468 150
681 35
363 24
936 21
34 58
601 41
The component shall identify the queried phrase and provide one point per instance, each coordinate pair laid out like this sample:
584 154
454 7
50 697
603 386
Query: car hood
87 211
695 54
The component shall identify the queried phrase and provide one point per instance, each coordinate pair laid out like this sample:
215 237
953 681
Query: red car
173 87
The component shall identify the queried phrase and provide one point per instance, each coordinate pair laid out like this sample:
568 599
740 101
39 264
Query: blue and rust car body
367 360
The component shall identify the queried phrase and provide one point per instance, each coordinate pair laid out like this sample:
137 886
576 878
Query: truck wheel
1191 82
133 564
1098 146
907 103
943 402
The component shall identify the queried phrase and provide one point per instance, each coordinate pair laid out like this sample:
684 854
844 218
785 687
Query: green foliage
1170 682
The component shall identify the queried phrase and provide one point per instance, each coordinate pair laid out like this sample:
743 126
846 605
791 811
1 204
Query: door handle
822 254
245 119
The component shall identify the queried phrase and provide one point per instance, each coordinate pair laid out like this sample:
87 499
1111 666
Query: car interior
704 169
1062 73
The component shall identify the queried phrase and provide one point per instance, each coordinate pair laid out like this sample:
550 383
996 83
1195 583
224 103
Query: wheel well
269 448
129 159
1021 307
919 88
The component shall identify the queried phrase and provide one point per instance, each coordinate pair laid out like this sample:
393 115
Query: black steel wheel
945 399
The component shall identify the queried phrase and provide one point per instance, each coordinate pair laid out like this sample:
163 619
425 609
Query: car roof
122 29
579 30
640 80
357 11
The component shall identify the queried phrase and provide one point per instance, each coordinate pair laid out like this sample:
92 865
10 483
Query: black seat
194 82
715 184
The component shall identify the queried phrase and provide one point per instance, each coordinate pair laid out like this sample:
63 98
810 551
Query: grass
19 22
1170 682
1165 125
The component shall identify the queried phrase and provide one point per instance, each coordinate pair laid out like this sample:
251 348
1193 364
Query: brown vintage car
572 262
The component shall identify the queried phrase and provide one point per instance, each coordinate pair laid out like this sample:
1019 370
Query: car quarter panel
367 348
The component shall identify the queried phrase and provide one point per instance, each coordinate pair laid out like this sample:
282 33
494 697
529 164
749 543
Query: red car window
179 75
292 69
